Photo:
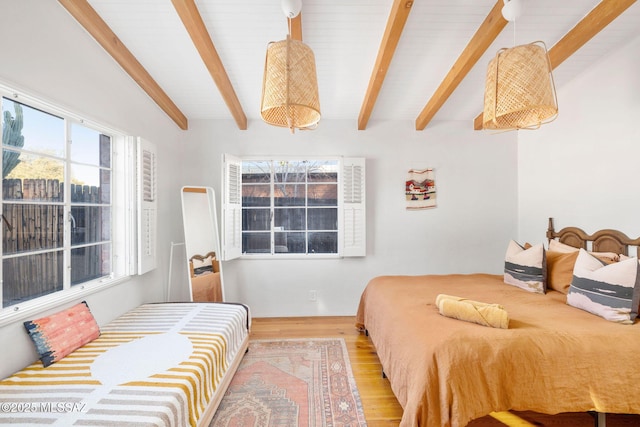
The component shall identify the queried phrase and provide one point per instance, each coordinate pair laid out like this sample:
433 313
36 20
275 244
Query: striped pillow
526 268
611 291
61 333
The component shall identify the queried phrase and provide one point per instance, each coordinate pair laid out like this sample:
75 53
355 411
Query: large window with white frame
63 178
284 207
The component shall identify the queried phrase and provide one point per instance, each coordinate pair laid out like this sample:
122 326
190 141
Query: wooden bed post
550 230
599 418
601 421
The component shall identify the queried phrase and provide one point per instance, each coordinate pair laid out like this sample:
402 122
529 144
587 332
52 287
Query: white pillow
556 246
526 268
611 291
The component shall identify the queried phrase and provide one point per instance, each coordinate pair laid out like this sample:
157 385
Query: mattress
157 365
446 372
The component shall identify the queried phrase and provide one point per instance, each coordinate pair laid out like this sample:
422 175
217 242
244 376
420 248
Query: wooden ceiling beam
100 31
190 16
594 22
493 24
395 25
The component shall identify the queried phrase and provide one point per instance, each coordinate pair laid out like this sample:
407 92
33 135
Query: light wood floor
381 409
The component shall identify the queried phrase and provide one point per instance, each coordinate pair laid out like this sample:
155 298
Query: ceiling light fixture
290 85
291 8
519 88
512 10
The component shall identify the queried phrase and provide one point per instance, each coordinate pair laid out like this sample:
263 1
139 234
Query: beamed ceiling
376 60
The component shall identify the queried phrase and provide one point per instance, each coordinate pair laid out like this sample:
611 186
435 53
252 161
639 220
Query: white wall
583 168
468 231
47 54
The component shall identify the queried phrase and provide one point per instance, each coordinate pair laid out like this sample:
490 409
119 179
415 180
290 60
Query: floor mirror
202 244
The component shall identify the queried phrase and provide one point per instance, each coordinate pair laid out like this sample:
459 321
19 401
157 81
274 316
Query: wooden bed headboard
601 241
215 264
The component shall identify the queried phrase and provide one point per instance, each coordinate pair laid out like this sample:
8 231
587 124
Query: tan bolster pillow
442 297
492 315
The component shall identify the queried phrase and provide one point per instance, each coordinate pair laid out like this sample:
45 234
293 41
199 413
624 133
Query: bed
165 364
552 358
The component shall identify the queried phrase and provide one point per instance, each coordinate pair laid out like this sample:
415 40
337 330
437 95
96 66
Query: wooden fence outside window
39 225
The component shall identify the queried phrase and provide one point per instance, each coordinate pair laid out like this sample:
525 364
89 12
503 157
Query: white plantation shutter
231 207
148 176
147 206
353 208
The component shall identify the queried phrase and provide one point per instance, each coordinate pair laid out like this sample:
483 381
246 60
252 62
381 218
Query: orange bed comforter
446 372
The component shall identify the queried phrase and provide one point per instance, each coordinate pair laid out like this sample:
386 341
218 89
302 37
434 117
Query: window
61 182
285 207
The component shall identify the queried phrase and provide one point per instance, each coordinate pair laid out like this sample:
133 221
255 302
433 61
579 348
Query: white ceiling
345 36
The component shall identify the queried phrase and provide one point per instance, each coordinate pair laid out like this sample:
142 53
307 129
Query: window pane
289 195
293 243
290 171
31 227
44 183
31 129
289 219
90 184
280 240
31 276
90 224
256 219
10 159
323 171
256 195
256 243
33 178
105 186
90 146
322 194
323 243
304 208
90 262
256 172
323 219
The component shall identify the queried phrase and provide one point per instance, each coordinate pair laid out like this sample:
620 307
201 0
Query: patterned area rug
290 383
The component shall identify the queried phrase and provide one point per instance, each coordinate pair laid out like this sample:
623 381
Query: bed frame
606 240
385 287
601 241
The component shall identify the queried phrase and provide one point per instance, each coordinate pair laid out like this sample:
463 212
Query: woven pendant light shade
519 91
290 87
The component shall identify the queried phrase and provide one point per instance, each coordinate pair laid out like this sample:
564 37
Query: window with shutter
293 207
63 177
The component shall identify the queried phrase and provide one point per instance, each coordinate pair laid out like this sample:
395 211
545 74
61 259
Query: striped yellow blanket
158 365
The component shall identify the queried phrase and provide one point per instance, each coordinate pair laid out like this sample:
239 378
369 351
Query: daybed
552 358
158 365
